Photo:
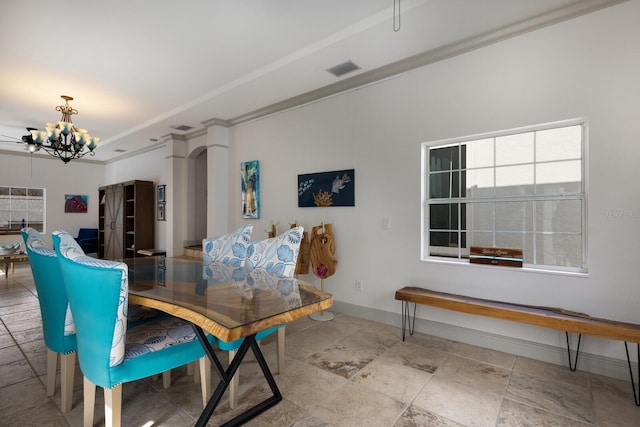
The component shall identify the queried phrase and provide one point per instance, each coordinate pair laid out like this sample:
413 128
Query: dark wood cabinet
126 219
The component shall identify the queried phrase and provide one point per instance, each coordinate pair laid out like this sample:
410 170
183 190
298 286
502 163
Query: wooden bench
549 317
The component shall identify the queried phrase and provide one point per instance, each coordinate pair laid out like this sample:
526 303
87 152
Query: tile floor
345 372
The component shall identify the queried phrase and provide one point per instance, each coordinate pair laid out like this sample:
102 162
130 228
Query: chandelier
63 139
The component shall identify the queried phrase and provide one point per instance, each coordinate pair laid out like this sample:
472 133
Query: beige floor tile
417 417
305 385
557 397
353 405
466 405
515 414
426 359
614 402
430 341
486 355
400 382
551 371
488 377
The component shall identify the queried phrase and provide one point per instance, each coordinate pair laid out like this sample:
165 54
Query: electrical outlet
359 285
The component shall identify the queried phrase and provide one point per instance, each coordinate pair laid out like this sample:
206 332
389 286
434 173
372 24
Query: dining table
229 302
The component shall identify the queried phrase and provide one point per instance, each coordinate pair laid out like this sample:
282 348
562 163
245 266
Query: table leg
226 377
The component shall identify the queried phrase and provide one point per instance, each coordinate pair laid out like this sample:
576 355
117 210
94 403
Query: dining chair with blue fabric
276 255
109 353
57 322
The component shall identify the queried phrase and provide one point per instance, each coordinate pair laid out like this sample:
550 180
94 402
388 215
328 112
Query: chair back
98 292
277 254
229 249
57 322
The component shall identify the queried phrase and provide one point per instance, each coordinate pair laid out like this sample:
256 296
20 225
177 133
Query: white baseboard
615 368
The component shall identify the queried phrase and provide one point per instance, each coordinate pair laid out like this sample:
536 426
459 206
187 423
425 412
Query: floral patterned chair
109 353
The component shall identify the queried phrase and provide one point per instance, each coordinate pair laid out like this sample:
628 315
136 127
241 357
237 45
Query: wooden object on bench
549 317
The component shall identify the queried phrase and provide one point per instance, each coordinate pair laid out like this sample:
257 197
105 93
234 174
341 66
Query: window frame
458 252
29 222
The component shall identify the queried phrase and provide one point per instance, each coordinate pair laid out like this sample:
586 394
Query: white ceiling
136 68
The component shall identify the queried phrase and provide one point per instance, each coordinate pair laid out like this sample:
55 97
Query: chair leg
52 366
205 379
195 371
234 384
89 390
113 406
281 350
166 378
67 370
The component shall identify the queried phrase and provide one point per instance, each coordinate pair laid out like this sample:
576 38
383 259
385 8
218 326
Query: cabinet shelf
126 219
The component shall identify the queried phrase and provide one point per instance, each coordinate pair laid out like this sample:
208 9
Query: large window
517 189
20 207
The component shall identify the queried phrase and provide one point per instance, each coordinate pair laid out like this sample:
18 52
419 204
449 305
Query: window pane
479 153
443 239
36 192
514 149
444 185
443 216
559 177
514 216
444 159
514 180
480 216
559 144
514 240
480 183
480 239
559 250
559 216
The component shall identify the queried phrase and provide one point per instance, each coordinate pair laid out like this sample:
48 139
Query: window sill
528 269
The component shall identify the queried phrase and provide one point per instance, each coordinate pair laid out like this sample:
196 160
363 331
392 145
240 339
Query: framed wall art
250 189
324 189
75 203
162 203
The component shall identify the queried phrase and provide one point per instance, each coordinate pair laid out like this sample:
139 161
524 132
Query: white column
176 194
218 177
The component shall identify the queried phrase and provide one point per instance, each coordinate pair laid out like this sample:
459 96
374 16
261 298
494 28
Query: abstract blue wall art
250 178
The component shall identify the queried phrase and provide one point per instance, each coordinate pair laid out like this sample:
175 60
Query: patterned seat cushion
156 335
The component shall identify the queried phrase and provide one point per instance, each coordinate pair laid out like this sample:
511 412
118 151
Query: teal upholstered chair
277 255
57 323
109 353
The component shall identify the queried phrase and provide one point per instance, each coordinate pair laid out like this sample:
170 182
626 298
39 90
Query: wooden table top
227 302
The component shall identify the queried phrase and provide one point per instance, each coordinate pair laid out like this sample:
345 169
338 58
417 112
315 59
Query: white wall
76 177
587 67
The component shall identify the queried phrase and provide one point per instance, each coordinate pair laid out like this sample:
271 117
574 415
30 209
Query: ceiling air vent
183 128
119 150
344 68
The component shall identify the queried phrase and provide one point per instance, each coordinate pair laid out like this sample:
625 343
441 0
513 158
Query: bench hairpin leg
573 366
636 396
406 320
